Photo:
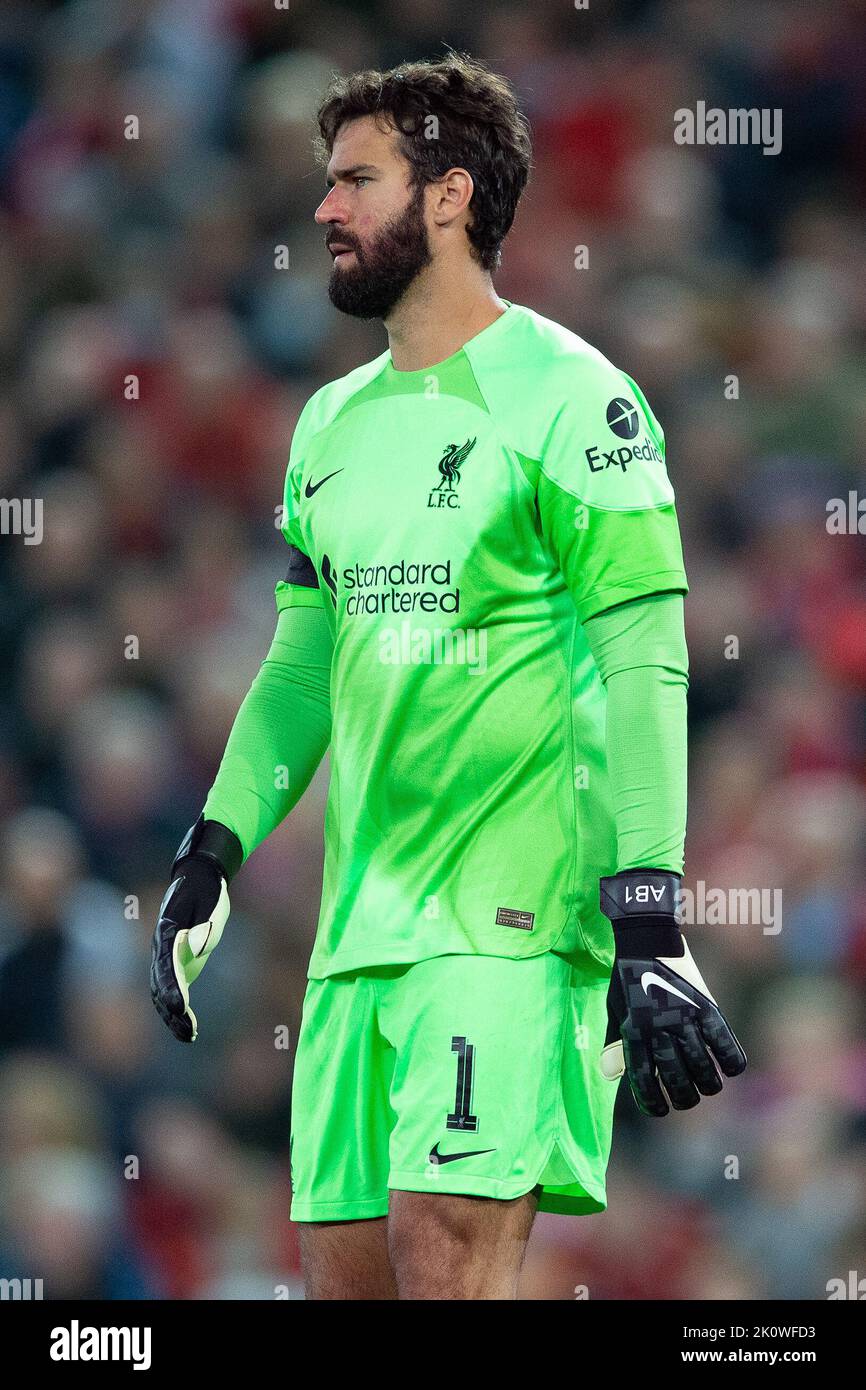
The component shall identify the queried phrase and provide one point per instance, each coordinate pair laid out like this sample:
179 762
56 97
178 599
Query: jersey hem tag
511 917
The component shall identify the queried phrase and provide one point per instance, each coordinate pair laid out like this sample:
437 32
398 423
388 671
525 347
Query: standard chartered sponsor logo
401 587
438 646
413 586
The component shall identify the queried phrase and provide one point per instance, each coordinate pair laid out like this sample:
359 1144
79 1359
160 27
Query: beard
384 270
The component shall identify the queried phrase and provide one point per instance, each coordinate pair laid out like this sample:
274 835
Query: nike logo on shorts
436 1157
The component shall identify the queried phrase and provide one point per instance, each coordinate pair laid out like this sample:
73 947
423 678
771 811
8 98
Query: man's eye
361 178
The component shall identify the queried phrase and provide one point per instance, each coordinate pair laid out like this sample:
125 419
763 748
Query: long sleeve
607 513
281 731
640 651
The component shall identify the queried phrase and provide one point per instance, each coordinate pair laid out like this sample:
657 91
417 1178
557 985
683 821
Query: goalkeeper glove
191 920
664 1027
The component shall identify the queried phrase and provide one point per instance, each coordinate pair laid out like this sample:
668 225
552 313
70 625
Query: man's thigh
430 1246
449 1247
347 1260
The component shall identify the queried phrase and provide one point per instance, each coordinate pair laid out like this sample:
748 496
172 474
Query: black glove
664 1027
191 920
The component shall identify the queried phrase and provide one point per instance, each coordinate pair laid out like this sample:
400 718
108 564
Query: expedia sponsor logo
599 459
623 420
622 417
406 586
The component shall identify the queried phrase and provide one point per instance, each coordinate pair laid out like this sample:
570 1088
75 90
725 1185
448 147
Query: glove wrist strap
641 905
210 839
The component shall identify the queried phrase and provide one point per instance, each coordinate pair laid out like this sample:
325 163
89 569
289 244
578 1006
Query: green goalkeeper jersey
458 524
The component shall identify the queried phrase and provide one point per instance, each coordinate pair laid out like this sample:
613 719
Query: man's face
376 227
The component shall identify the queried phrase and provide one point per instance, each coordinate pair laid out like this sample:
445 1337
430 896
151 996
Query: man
482 615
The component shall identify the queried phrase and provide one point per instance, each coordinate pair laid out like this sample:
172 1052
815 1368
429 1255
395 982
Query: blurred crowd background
130 1167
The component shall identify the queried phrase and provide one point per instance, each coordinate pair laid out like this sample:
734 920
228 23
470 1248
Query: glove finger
179 1024
642 1076
722 1042
674 1073
698 1061
171 1009
164 988
184 1026
612 1061
203 938
612 1057
616 1008
162 976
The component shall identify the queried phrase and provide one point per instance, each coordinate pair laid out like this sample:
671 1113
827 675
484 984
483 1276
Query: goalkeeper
482 618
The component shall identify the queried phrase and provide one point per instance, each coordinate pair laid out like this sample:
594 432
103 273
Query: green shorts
466 1074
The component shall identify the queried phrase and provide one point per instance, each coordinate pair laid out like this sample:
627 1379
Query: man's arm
640 651
665 1027
276 743
607 512
281 731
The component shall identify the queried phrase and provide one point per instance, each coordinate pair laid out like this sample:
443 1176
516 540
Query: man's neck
437 315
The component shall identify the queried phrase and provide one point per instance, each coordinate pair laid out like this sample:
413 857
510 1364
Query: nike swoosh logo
436 1157
314 487
648 977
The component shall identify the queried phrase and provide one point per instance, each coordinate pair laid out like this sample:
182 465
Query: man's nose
329 209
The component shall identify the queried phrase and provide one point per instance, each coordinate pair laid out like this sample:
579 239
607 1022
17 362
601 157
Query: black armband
301 570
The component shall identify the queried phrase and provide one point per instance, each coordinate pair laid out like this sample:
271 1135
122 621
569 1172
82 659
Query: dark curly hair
480 128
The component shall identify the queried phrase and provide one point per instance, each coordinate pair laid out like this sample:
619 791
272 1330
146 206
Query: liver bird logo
451 463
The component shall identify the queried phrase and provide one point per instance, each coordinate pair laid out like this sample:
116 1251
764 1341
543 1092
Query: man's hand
191 920
664 1027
